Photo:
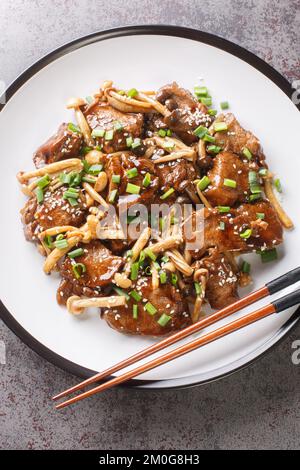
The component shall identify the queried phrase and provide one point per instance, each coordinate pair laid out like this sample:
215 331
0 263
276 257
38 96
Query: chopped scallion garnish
223 209
268 255
222 225
167 193
135 311
135 295
132 92
247 153
150 308
200 91
43 182
246 234
209 138
39 194
162 132
129 141
201 131
61 244
163 277
220 126
260 215
112 196
132 188
174 279
148 252
118 126
109 135
98 132
136 143
116 179
73 128
203 183
120 291
134 271
229 183
206 100
212 112
78 269
213 149
246 267
75 253
198 288
277 185
224 105
147 180
164 320
95 169
132 173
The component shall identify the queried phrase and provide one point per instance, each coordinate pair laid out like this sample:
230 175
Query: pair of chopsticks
276 306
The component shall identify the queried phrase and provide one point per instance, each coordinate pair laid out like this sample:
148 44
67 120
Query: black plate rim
165 30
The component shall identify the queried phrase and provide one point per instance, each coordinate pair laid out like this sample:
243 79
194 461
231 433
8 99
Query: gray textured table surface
255 408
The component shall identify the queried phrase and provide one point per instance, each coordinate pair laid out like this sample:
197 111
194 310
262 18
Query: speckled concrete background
256 408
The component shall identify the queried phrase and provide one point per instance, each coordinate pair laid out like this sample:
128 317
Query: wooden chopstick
270 288
277 306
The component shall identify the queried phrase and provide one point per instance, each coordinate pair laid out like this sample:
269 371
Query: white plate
141 57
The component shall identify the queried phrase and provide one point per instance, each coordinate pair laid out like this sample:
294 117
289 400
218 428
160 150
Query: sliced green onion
203 183
214 149
263 172
74 128
135 295
246 267
255 187
89 179
135 311
39 194
142 256
254 197
165 259
200 131
48 240
118 126
129 141
132 92
247 153
132 188
109 135
164 319
89 99
65 178
212 112
268 255
148 252
86 165
222 225
120 291
277 185
71 193
163 277
98 132
112 196
198 288
78 269
162 132
206 100
200 91
95 169
75 253
147 180
224 105
60 236
161 223
132 173
129 254
174 279
150 308
134 271
85 150
169 132
260 215
43 182
223 209
246 234
229 183
116 179
136 143
220 126
167 193
121 92
61 244
75 179
209 138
